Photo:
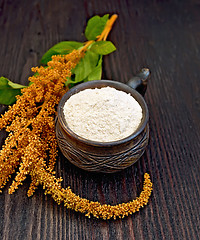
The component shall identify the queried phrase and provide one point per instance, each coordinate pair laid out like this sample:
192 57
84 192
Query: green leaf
47 56
60 48
90 68
3 82
96 72
103 47
85 66
67 46
15 85
8 91
95 26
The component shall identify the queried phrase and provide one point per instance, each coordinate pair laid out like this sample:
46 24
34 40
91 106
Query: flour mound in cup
102 115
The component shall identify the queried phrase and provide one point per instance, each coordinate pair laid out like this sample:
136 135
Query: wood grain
161 35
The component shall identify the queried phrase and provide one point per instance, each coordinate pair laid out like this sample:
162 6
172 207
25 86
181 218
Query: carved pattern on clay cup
104 157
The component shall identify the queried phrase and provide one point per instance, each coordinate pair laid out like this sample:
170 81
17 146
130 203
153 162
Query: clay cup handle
139 81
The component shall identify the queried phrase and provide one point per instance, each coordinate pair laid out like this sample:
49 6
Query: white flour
102 115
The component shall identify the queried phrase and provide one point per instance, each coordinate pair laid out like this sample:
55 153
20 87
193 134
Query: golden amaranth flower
31 144
30 122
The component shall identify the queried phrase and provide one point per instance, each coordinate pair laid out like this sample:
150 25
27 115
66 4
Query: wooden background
161 35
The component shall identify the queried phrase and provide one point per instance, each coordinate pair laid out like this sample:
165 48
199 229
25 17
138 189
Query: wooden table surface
161 35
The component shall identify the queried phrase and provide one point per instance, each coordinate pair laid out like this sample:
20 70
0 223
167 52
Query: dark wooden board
161 35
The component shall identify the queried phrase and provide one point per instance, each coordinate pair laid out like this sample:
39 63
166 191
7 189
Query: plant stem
107 28
104 33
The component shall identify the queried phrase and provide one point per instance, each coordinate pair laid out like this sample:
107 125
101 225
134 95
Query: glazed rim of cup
100 84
